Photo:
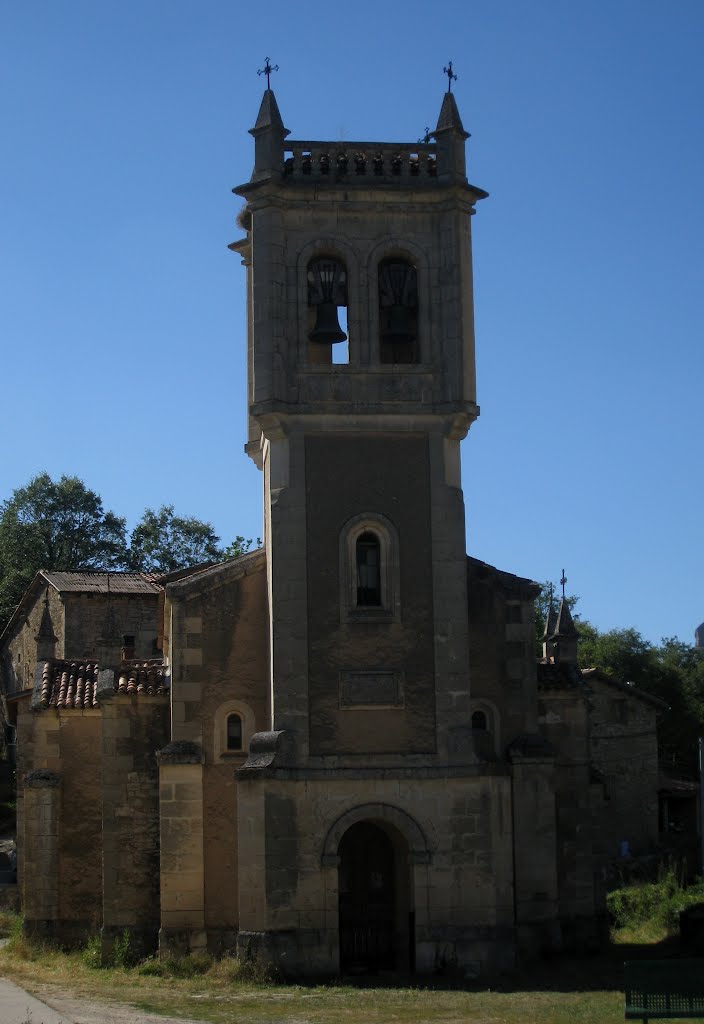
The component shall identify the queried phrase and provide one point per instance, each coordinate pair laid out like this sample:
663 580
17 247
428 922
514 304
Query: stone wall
133 730
134 615
502 651
346 477
219 647
454 835
623 749
62 816
19 653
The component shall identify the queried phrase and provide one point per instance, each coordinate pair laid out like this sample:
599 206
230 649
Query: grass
565 990
228 992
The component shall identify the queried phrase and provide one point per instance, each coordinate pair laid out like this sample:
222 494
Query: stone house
339 752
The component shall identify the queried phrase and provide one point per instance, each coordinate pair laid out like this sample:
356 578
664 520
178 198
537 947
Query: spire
450 135
269 132
563 640
449 119
564 626
269 115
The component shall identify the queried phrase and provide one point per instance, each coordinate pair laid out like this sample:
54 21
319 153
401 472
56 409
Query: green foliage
122 955
54 525
239 546
92 953
657 904
62 524
164 542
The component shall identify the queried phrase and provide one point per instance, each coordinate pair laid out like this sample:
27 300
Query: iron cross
451 76
563 580
267 69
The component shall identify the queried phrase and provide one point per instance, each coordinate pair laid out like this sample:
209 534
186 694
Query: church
338 753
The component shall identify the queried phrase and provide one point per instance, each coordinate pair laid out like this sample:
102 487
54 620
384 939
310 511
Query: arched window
484 727
370 587
368 559
479 722
234 732
327 302
233 727
398 312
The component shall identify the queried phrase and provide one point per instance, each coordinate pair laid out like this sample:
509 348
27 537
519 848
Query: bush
92 954
655 903
122 954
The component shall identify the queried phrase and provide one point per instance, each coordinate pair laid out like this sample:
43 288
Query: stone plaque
371 690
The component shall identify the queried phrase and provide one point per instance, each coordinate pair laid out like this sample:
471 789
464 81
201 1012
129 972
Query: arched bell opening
376 911
398 312
327 311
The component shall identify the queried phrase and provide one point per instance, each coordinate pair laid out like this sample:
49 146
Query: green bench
664 989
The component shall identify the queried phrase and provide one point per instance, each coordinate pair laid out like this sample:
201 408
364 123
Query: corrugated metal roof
102 582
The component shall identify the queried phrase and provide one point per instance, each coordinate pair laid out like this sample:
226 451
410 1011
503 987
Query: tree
239 546
54 525
164 542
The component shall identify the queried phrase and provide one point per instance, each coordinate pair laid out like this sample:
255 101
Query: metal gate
367 900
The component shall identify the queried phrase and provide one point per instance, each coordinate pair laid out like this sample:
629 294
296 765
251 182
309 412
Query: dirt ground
88 1011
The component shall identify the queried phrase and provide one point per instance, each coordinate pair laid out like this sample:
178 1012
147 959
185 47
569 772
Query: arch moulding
418 851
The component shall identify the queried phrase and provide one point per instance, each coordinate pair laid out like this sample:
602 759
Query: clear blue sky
124 127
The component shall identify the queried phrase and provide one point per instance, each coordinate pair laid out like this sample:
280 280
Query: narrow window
479 722
234 732
368 571
327 297
398 312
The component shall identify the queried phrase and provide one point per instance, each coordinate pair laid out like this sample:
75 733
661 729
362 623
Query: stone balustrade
376 162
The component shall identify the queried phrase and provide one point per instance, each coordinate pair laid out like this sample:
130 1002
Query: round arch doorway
375 916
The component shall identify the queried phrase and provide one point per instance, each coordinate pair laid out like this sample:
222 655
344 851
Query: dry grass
563 992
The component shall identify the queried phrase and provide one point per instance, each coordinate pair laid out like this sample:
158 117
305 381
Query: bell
327 328
399 327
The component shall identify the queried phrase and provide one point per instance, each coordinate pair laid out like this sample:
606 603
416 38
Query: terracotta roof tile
142 677
74 684
69 684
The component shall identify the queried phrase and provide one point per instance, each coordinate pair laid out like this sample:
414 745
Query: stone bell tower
365 800
361 387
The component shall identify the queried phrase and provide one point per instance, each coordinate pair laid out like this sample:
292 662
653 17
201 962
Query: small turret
560 636
269 132
450 136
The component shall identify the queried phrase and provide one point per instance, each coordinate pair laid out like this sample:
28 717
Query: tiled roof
142 677
102 582
73 684
67 684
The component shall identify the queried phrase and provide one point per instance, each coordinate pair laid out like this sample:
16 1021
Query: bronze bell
399 326
327 328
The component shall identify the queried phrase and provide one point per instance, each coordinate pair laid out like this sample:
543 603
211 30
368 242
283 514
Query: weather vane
563 580
268 68
451 76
